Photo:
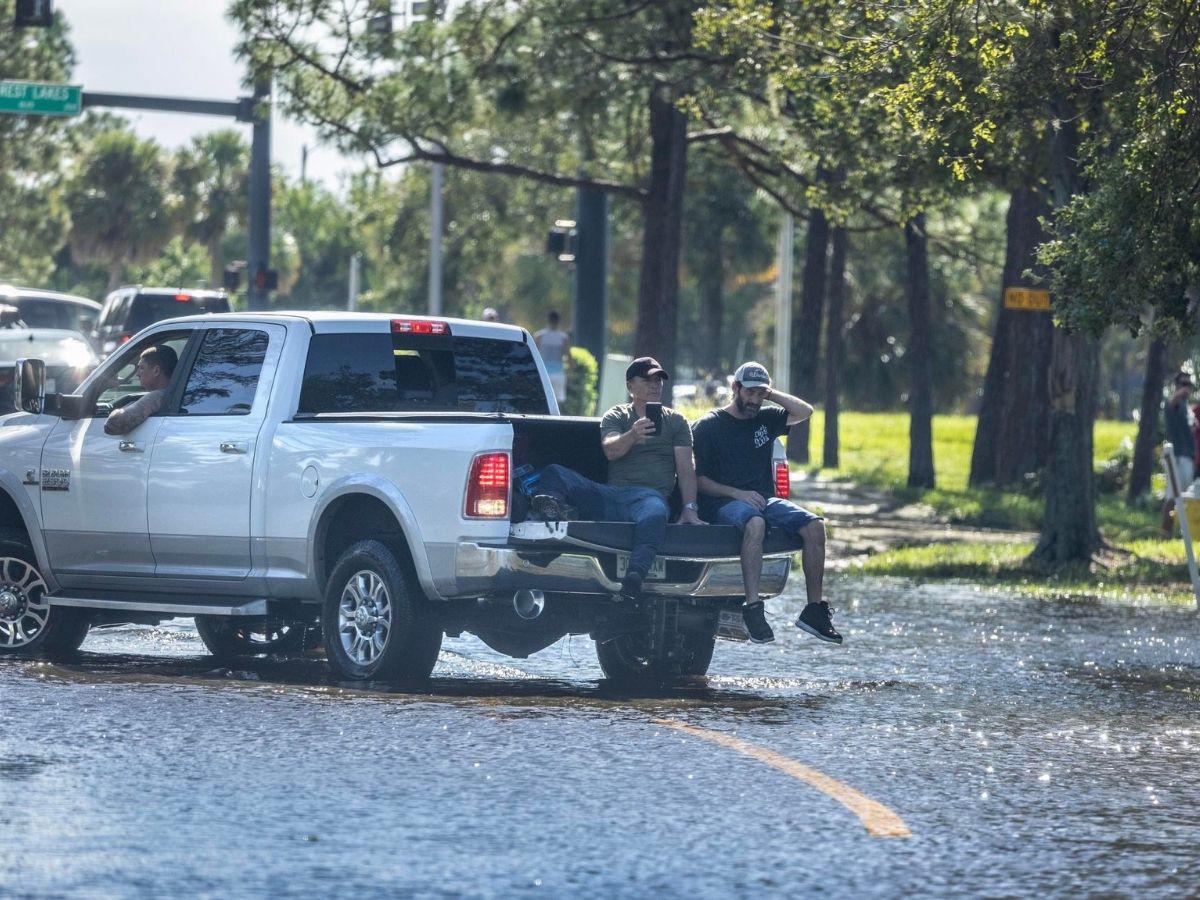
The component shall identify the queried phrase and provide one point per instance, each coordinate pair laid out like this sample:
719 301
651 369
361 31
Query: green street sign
33 98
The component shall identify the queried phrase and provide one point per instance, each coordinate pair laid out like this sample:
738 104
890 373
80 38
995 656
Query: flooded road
1026 747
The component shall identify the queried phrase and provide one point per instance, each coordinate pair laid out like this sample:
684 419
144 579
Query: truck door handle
233 446
129 447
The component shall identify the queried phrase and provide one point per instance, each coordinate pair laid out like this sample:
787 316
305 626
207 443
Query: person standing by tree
1179 435
554 344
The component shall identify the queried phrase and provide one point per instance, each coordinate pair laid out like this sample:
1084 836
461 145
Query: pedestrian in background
1178 421
554 344
490 314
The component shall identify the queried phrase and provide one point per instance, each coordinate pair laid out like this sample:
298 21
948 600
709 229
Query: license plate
658 568
731 626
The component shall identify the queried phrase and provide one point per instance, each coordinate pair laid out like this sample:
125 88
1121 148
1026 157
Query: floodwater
1030 747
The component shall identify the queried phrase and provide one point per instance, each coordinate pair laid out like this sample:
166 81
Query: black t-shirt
737 452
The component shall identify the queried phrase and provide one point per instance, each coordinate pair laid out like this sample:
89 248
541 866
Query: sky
180 48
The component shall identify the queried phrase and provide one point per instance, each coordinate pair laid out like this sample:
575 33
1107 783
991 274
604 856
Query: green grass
874 451
1140 570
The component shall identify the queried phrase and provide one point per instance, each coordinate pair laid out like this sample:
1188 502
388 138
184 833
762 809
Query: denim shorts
780 514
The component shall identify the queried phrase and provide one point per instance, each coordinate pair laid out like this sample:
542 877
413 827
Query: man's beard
743 406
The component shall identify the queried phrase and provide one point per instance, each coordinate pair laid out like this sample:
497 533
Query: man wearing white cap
733 447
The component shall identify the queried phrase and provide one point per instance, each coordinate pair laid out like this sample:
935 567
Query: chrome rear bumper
482 569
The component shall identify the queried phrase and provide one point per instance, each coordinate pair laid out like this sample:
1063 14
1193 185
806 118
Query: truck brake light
419 326
183 298
487 487
783 480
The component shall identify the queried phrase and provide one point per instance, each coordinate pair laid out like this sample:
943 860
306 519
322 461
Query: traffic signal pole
255 110
258 259
590 320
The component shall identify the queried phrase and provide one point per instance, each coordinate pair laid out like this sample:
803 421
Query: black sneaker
549 507
631 588
816 620
754 615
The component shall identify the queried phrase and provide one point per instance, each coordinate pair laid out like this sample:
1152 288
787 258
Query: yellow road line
876 818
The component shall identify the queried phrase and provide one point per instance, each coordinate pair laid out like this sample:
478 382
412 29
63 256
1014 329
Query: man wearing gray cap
733 447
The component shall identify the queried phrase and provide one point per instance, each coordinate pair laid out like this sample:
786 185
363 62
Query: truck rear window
419 373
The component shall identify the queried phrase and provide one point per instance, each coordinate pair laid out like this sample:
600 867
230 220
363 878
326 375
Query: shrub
583 377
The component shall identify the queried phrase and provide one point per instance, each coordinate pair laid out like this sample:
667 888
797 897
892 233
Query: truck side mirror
29 386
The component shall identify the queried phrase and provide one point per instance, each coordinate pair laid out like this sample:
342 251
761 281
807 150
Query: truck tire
377 623
28 624
626 659
228 638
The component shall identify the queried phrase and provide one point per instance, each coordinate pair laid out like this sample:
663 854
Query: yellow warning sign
1026 298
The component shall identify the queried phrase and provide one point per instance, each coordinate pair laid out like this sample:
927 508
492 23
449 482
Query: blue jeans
779 513
644 507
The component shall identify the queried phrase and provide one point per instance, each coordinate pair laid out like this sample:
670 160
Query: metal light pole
355 282
783 301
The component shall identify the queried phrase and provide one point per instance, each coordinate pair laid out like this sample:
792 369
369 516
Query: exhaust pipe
529 604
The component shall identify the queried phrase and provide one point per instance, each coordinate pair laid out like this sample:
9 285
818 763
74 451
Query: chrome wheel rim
24 610
364 617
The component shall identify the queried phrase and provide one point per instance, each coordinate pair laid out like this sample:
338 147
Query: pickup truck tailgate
702 542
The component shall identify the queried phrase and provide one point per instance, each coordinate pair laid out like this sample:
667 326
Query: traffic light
266 279
34 14
232 279
561 241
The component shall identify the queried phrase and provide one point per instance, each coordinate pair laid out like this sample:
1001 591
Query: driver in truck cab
645 458
154 369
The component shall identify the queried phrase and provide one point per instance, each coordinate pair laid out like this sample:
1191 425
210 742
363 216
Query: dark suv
128 310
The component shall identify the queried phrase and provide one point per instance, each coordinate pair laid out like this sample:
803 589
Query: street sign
1026 298
33 98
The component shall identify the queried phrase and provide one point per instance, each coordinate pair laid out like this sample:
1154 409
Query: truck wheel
376 621
627 658
28 624
228 638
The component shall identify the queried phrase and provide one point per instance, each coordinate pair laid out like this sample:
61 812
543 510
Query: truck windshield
419 373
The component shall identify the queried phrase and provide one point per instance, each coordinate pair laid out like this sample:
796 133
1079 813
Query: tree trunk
116 270
920 356
806 339
711 279
1012 435
833 347
1147 434
1069 531
658 287
216 271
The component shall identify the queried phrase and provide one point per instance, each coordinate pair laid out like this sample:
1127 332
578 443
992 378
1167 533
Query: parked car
129 309
351 470
51 309
68 356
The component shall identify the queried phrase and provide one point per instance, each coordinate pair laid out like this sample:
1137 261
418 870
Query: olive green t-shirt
651 464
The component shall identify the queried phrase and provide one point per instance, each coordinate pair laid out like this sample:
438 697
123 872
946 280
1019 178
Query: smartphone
654 414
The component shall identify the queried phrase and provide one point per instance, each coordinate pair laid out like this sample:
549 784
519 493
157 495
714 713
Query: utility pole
436 213
258 259
783 301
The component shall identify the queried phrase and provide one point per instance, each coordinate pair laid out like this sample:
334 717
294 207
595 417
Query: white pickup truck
350 470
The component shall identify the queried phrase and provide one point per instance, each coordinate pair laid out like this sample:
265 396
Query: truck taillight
487 487
419 326
783 480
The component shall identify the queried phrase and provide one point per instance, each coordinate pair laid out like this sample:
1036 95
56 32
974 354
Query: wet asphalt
1030 747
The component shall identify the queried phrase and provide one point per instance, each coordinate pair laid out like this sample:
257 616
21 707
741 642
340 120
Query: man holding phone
648 448
733 461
